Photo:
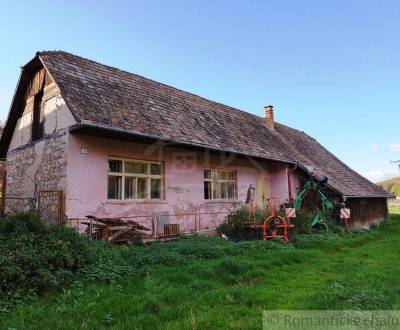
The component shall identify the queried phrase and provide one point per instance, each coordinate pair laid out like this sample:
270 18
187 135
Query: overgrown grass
209 283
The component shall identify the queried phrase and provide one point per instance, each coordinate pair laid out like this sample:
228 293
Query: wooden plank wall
366 211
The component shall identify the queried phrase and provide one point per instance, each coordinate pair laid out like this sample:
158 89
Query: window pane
231 190
214 174
130 188
223 189
114 187
215 190
155 189
142 188
155 169
207 189
115 165
231 175
137 168
221 175
207 174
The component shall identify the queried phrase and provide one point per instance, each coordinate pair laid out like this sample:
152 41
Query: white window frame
218 181
148 177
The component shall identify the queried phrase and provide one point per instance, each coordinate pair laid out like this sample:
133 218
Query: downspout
290 183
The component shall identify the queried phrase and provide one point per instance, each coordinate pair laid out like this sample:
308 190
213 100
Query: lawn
209 283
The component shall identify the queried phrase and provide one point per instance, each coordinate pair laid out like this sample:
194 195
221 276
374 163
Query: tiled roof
117 99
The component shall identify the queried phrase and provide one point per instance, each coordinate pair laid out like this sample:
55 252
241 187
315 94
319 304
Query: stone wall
35 167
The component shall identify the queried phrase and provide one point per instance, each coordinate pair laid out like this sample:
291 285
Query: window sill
219 201
113 201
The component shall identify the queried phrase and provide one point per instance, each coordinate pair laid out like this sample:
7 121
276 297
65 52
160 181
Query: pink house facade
122 146
180 190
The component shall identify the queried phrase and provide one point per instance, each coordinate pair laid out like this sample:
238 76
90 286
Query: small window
134 180
38 117
220 184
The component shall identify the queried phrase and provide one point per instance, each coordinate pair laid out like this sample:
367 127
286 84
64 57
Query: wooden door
261 192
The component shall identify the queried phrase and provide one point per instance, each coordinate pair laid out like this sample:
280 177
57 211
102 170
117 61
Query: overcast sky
330 68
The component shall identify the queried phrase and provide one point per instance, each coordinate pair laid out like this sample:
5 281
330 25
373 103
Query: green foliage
107 271
180 252
313 240
261 245
35 258
343 296
20 224
303 221
391 185
235 228
232 271
395 189
189 250
225 284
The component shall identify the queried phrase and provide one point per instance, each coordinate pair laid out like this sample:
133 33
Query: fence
50 205
157 225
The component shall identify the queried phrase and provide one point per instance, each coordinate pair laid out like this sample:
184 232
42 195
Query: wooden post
61 210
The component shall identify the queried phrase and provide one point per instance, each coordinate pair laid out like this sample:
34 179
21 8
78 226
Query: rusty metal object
273 226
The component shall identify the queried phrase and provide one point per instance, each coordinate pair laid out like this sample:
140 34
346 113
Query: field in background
391 185
196 288
394 206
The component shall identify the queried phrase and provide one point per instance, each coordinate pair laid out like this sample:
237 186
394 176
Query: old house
121 145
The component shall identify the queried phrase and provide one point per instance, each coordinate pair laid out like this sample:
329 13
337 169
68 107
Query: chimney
269 116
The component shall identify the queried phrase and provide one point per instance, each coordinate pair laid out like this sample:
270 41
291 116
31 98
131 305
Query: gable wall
39 165
56 113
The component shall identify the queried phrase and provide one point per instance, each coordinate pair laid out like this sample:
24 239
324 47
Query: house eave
375 196
93 127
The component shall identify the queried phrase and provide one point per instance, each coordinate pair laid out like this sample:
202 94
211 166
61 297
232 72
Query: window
132 180
38 117
219 184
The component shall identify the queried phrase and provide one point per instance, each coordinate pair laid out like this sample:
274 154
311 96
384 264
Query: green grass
211 283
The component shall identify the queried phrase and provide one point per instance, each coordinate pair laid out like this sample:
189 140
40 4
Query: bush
35 258
21 223
235 227
302 223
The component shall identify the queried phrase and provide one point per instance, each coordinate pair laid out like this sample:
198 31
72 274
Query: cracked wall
39 165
